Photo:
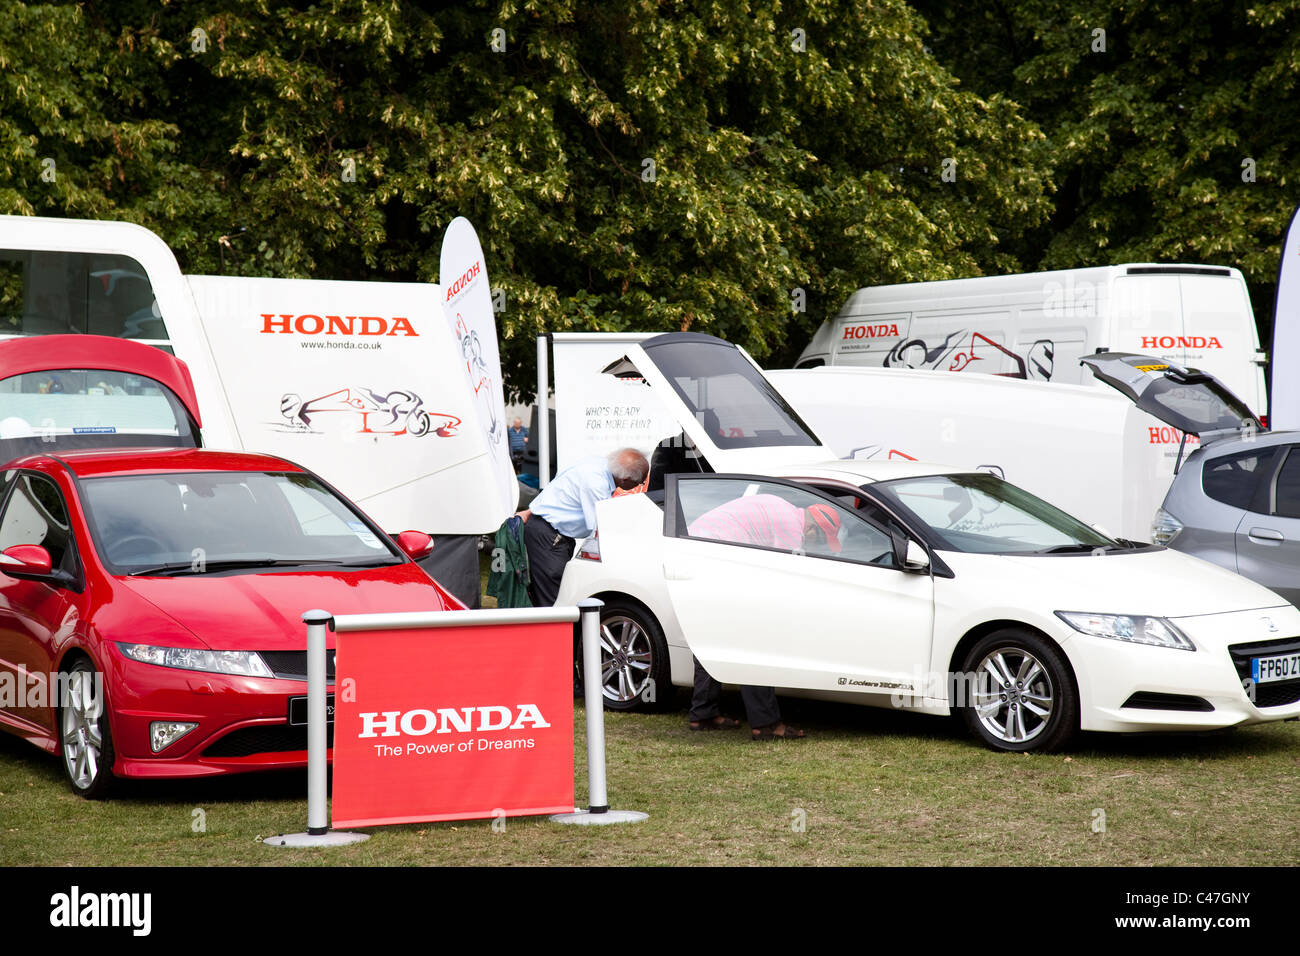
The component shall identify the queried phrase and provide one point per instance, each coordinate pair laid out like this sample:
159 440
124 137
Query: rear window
728 396
63 409
1234 479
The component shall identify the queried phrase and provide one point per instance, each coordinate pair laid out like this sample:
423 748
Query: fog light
164 733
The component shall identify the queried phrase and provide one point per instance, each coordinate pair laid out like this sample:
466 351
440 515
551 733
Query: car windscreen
63 409
202 522
982 514
737 406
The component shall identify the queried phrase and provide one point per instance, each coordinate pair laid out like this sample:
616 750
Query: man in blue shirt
565 510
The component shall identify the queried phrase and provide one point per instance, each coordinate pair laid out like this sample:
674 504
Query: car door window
1286 490
36 514
1233 479
777 516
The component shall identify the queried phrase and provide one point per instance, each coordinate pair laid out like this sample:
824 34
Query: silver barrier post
318 831
598 811
543 415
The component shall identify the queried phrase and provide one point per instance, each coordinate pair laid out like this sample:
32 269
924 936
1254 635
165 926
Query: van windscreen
43 293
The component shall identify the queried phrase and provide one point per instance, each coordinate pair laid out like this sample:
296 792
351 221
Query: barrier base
587 818
329 838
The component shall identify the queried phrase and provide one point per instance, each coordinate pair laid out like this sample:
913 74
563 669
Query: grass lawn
869 787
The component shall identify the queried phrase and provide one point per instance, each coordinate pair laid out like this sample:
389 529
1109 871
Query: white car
939 591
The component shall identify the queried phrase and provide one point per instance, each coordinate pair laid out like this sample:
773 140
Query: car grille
1267 695
248 741
292 665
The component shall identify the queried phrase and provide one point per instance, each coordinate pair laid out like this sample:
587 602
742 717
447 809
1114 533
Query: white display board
597 413
363 383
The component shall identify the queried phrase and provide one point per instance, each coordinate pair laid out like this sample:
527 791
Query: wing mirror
416 544
26 559
918 559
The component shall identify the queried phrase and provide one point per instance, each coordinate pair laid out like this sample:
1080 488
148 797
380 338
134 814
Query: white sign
361 383
1284 400
597 413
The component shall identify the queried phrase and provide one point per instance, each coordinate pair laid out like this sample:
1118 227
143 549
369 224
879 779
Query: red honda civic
151 598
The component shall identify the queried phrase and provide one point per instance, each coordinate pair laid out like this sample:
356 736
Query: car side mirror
24 560
918 559
416 544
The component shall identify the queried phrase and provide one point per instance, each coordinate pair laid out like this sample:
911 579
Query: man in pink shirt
772 522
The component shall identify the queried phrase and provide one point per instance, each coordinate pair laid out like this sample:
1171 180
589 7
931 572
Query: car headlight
239 663
1164 527
1135 629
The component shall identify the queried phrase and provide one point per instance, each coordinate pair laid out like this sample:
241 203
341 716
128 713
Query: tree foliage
1172 143
629 164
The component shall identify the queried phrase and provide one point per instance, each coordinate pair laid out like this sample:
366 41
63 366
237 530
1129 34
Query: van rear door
1194 316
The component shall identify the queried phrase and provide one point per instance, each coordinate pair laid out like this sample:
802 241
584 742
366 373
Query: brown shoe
715 723
778 732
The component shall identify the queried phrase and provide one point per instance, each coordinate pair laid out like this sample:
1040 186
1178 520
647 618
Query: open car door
761 603
723 402
1194 402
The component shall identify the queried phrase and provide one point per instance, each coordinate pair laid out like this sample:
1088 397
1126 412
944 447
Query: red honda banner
453 724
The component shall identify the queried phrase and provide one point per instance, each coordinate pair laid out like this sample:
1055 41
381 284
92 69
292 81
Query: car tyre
85 739
635 670
1018 693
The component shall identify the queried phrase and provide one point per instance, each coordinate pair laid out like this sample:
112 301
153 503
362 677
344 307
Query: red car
151 598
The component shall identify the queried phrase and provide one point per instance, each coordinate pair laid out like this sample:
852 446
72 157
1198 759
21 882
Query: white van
1038 325
365 383
1086 450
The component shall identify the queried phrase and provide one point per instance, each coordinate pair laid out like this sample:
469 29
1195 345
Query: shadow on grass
835 720
19 758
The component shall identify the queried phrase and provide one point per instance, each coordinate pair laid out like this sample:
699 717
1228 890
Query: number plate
1266 670
298 710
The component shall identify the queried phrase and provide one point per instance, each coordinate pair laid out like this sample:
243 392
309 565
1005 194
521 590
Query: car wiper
1077 548
208 567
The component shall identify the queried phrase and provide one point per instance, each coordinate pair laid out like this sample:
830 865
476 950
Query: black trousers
761 708
548 553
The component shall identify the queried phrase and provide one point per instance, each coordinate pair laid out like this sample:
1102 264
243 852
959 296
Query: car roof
1227 444
869 470
96 463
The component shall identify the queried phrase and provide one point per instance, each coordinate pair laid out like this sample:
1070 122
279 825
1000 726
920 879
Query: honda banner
467 306
1284 392
456 723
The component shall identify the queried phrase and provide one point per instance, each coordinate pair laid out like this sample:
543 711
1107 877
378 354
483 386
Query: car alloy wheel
634 670
84 732
1019 693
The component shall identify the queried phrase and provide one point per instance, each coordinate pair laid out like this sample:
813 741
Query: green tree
628 165
1171 126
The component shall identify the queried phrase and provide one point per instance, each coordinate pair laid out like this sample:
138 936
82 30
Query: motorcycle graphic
471 349
957 354
398 412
